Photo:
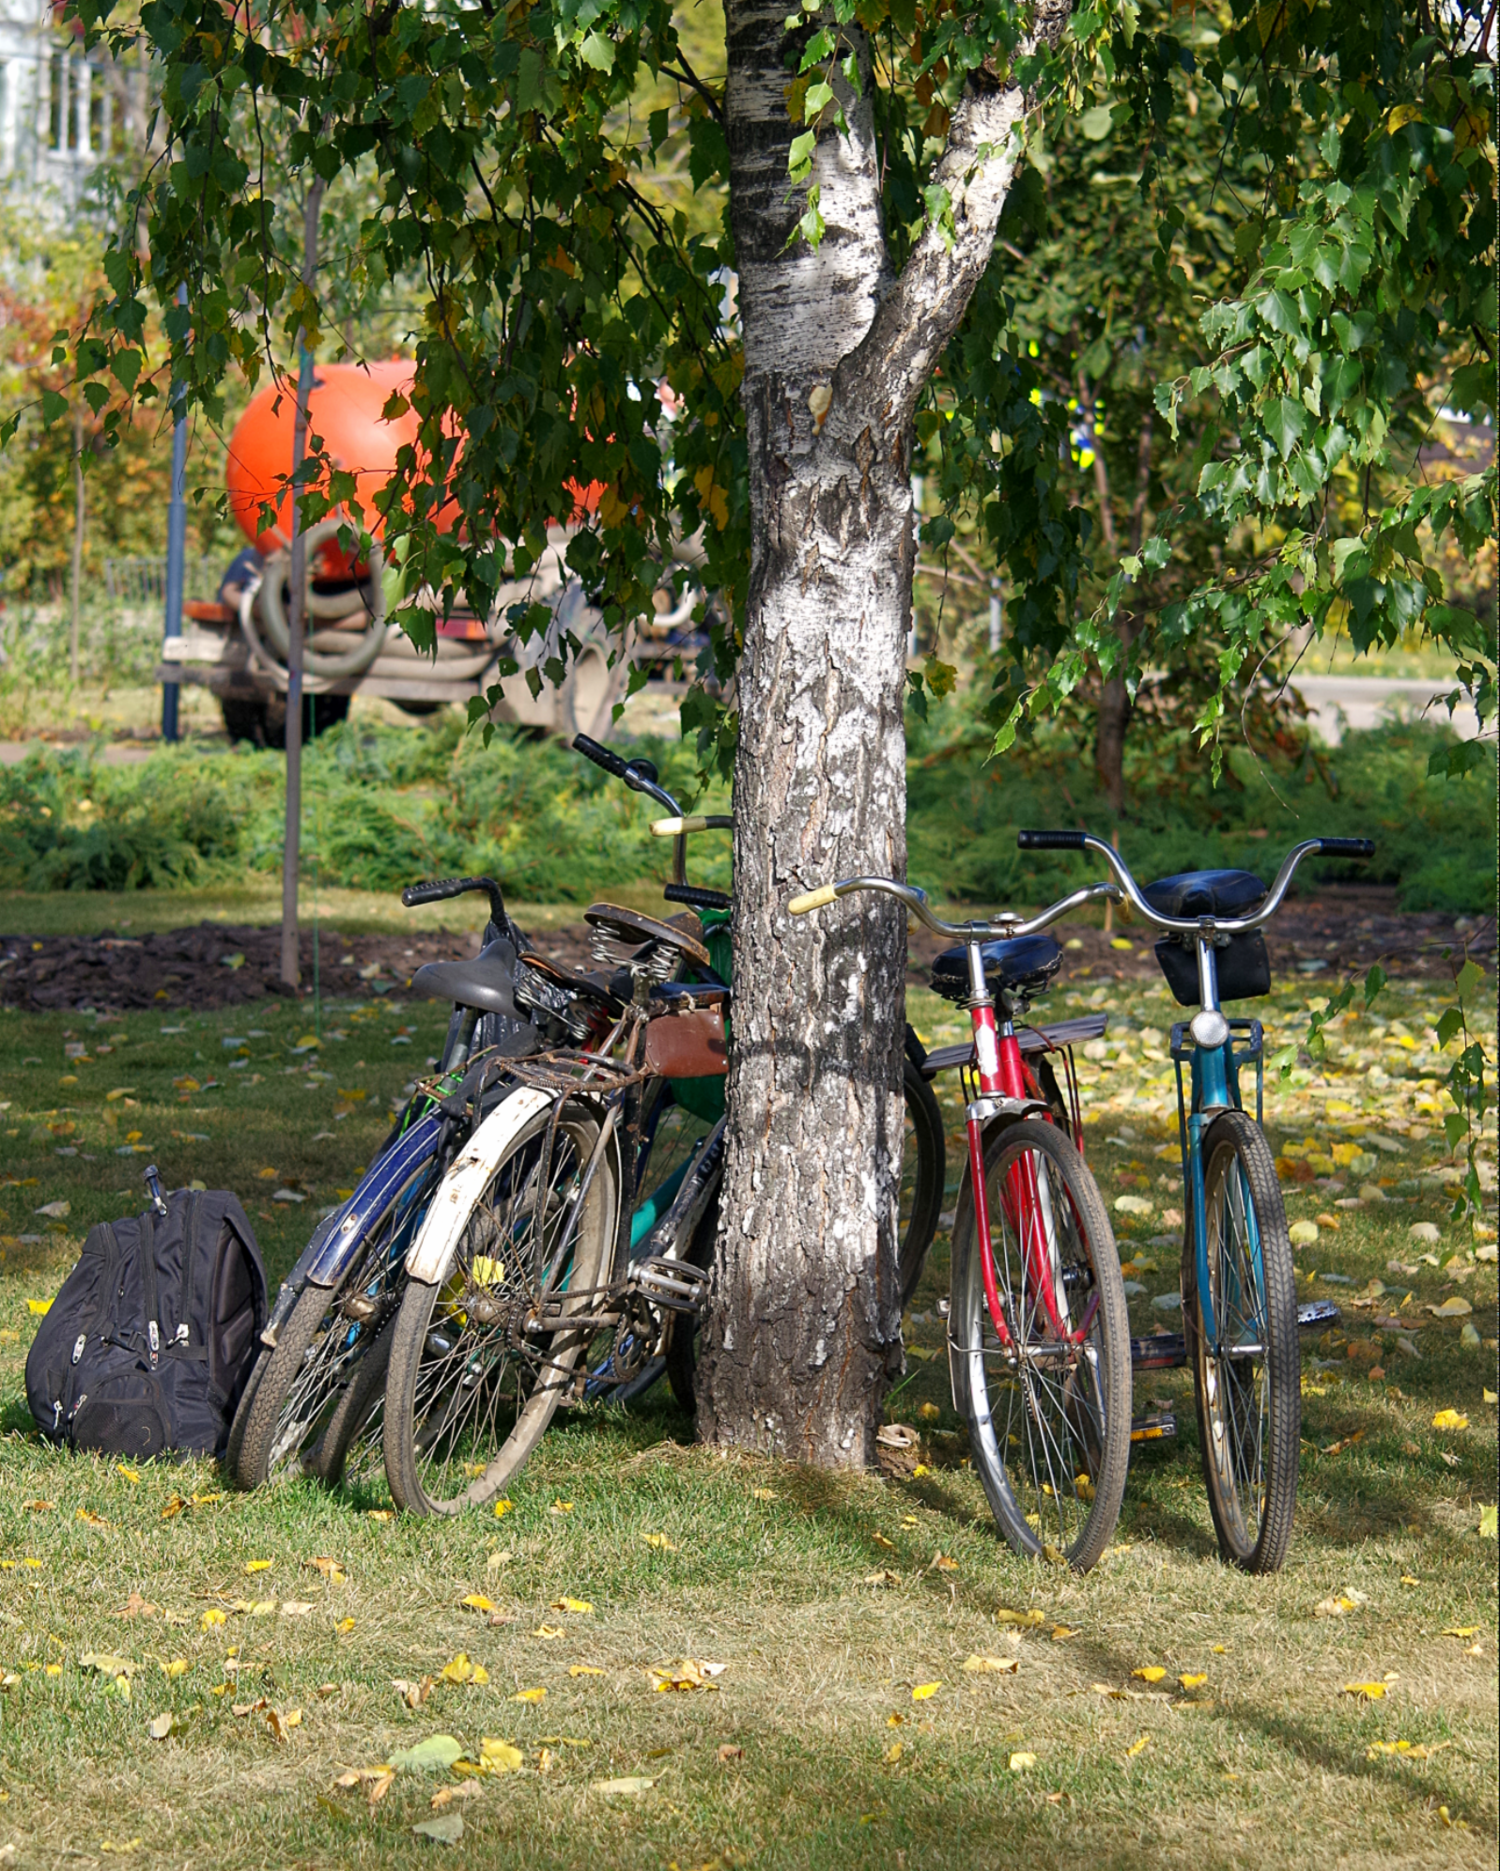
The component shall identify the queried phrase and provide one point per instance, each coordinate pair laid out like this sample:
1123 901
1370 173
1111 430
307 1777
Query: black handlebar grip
695 898
440 889
1347 847
1050 841
601 756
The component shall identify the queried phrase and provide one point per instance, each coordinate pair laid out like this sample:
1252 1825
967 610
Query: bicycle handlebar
440 889
704 822
1190 925
1002 927
638 775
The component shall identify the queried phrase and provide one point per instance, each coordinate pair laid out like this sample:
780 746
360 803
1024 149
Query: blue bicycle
1239 1294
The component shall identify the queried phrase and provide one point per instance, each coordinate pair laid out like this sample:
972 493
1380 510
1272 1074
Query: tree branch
918 317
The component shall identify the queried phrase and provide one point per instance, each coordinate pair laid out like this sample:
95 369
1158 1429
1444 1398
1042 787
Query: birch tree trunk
804 1333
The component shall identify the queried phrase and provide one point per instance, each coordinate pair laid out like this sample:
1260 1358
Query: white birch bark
804 1334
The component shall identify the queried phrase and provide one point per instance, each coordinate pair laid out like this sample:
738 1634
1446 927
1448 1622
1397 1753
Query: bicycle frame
1003 1092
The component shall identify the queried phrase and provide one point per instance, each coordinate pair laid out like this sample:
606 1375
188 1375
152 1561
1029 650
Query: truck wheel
327 712
244 720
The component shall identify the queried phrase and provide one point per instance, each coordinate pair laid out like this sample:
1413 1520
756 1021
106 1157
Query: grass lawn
880 1703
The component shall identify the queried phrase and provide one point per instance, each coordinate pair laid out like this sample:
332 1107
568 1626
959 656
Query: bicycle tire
1252 1487
273 1434
429 1446
356 1418
924 1145
1084 1411
242 1414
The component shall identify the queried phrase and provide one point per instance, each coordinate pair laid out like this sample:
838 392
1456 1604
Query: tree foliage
1317 178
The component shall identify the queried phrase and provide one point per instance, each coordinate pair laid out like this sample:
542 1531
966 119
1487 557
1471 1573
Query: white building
62 112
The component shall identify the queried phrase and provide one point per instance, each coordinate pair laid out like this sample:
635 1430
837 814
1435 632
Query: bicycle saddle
1025 964
634 931
486 982
1205 893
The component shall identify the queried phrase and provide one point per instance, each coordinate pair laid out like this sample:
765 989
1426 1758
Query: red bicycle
1038 1331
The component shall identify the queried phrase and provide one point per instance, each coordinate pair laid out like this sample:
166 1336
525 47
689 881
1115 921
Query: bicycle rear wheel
473 1382
1248 1379
1049 1412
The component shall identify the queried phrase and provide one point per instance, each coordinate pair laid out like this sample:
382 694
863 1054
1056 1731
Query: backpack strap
182 1345
148 1281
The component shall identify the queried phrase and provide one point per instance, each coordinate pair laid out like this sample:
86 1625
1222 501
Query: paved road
1340 702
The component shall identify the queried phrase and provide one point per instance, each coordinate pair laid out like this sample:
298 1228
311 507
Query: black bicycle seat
1205 893
486 982
1025 964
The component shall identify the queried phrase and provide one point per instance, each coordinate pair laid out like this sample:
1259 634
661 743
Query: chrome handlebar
1191 925
996 928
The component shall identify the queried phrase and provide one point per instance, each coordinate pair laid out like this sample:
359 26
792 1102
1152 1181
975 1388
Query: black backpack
148 1344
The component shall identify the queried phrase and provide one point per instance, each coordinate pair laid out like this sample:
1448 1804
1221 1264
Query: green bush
384 806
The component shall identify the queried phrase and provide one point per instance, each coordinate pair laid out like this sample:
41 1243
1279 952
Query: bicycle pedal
1316 1314
676 1285
1154 1428
1166 1351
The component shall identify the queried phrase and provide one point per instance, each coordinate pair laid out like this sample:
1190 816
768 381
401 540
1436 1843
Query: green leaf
1285 421
442 1828
1469 979
799 156
1450 1023
435 1755
54 406
1375 980
598 52
1097 123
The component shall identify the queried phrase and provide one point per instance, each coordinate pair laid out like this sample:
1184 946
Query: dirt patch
223 965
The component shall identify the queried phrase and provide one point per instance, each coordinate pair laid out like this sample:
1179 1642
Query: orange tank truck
234 644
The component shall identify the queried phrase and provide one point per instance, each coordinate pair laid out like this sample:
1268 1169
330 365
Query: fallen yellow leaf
499 1757
1021 1763
179 1666
1152 1673
1192 1682
1367 1692
258 1565
1136 1747
1461 1630
528 1695
211 1618
476 1601
660 1541
132 1475
1000 1666
925 1691
561 1507
584 1669
893 1753
502 1508
1028 1620
344 1626
580 1607
1449 1419
549 1631
461 1670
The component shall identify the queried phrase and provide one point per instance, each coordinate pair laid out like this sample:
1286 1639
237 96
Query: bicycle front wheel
1247 1374
1048 1400
475 1375
324 1340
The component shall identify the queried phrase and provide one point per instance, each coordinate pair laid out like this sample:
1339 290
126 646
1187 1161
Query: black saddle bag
148 1344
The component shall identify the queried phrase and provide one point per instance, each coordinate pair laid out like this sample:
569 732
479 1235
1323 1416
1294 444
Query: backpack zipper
78 1345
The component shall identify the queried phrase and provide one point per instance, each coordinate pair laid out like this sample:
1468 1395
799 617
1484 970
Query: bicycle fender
381 1182
448 1214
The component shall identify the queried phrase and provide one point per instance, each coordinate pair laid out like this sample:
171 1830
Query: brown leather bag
688 1045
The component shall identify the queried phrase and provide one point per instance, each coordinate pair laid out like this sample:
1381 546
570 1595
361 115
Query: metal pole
176 548
291 963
